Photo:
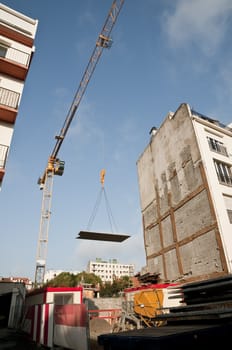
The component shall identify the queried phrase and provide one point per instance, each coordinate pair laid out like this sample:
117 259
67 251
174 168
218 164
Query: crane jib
103 41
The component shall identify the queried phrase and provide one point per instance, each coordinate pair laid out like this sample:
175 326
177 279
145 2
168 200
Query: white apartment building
110 270
17 34
185 184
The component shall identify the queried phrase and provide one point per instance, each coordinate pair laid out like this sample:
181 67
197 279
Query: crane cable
97 205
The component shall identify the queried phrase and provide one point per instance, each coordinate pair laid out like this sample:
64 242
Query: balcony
3 157
15 35
8 105
14 62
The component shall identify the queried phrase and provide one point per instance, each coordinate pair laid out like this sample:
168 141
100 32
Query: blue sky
164 53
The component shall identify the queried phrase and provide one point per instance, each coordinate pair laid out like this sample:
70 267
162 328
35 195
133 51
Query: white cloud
202 23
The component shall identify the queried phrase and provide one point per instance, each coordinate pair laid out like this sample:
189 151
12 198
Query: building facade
110 270
17 34
185 184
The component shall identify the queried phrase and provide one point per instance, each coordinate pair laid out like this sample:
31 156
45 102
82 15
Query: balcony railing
16 56
3 155
9 98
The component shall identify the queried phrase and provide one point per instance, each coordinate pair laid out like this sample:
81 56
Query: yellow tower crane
55 166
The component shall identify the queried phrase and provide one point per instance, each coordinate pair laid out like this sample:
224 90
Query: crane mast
55 166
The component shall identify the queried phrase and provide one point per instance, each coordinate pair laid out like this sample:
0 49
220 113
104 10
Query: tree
88 278
66 279
114 289
125 282
106 290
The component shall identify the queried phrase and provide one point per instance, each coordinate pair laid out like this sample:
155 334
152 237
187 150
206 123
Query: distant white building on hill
110 270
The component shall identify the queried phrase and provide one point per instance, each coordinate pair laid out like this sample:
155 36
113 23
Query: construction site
183 295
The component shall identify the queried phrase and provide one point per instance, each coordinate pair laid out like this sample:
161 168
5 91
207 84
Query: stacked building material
203 300
202 321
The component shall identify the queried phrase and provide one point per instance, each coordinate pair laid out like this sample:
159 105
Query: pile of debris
147 278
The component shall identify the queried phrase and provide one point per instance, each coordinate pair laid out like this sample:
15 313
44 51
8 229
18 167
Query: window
223 172
62 299
217 146
228 205
3 50
229 212
3 155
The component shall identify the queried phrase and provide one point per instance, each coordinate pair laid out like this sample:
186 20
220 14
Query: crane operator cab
59 167
55 166
104 42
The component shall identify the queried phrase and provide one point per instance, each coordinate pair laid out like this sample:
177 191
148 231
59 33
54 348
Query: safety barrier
71 326
110 315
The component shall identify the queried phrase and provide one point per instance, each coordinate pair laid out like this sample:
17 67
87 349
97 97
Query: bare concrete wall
107 303
180 229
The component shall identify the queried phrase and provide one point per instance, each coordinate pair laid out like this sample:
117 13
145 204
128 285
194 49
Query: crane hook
102 176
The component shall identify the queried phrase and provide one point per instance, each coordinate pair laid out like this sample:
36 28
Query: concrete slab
102 236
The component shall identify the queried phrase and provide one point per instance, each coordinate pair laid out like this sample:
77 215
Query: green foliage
66 279
109 290
106 290
88 278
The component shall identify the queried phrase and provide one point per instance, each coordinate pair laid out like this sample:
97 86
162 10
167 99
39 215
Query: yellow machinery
148 304
143 304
